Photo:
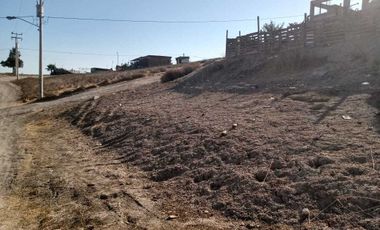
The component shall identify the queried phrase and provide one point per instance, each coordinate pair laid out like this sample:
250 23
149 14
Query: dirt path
9 130
14 108
9 93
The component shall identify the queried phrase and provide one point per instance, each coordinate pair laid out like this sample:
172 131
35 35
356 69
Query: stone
172 217
103 197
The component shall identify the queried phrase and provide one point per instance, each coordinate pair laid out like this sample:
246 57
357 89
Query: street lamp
40 15
14 17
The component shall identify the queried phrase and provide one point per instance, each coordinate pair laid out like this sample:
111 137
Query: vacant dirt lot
261 156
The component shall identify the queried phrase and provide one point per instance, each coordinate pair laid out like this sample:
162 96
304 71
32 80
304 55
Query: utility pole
16 37
40 15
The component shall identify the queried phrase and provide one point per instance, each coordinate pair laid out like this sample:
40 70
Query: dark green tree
11 60
51 68
272 27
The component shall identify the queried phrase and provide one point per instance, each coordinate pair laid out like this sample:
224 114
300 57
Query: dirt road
9 130
12 108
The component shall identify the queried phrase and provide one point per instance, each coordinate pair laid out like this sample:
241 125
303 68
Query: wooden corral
315 31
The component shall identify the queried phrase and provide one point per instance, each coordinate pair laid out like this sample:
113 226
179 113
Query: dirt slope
306 139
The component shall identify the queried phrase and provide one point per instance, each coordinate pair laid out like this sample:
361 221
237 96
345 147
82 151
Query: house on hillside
322 9
151 61
183 59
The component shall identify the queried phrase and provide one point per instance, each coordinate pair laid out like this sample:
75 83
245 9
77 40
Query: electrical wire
95 54
18 12
160 21
73 53
167 21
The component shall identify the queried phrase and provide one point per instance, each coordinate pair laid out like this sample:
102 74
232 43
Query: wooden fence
319 32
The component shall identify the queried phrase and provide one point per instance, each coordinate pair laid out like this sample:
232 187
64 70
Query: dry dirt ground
254 142
54 177
237 145
285 154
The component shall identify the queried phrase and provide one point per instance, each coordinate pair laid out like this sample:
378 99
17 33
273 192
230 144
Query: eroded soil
285 153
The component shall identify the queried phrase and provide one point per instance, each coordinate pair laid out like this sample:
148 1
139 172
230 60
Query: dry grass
69 84
174 74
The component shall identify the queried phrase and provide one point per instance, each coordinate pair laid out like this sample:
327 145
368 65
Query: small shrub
154 71
188 69
174 74
137 75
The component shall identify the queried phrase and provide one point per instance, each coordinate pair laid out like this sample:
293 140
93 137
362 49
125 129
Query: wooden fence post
258 24
239 44
304 32
227 44
258 34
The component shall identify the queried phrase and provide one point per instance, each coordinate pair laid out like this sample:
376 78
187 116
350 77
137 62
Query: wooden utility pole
17 37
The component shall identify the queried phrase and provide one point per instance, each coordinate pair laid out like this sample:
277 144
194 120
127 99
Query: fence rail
311 33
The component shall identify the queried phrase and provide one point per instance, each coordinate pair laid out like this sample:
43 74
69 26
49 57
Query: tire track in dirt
9 156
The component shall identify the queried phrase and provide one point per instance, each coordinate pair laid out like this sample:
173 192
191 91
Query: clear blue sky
134 39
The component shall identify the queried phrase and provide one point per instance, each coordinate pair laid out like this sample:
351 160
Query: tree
272 27
56 71
11 60
51 68
124 67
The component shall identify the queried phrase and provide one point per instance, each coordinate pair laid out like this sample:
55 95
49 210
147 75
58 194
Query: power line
168 21
18 12
78 53
96 54
160 21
